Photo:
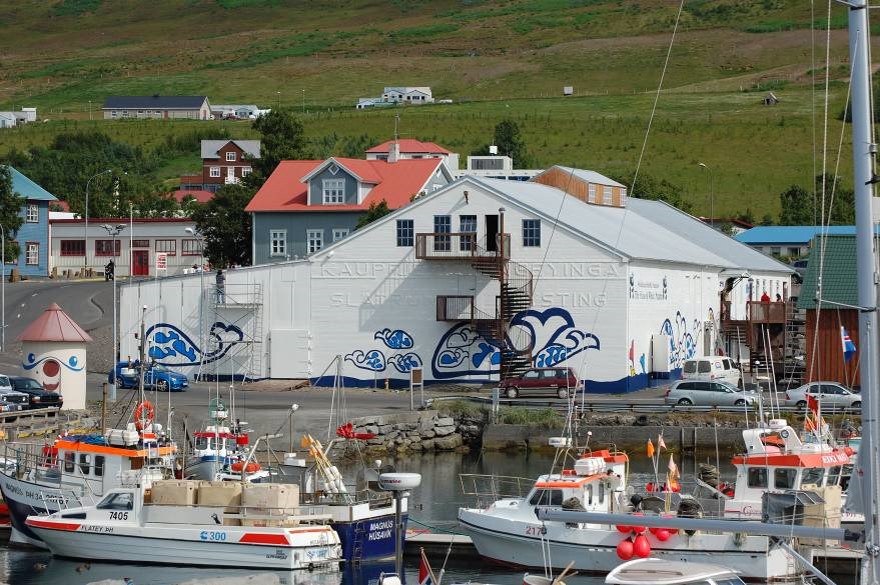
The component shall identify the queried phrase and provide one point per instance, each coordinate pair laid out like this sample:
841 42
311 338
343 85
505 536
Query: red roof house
409 148
306 205
54 325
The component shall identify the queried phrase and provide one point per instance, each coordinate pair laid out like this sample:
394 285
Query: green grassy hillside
495 59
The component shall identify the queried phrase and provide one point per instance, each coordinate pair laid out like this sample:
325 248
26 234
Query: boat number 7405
213 536
119 515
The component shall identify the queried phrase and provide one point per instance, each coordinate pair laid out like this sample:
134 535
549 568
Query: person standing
220 281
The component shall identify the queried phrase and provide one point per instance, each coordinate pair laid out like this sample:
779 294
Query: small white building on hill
478 277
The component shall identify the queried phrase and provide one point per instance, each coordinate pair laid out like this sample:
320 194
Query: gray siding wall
316 187
297 225
437 180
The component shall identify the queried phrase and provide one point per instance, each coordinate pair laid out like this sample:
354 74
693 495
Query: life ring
251 467
143 414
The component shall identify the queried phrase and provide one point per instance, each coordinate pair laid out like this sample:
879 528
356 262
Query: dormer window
333 169
230 157
333 191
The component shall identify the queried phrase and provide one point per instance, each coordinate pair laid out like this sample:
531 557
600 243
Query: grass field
507 58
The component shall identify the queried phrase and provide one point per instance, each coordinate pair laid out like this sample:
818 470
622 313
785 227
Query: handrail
459 245
495 486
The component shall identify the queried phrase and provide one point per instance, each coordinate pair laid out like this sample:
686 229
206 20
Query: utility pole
142 350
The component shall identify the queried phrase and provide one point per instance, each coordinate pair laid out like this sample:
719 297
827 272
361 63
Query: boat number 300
119 515
212 536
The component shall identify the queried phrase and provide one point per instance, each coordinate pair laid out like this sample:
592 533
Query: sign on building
161 261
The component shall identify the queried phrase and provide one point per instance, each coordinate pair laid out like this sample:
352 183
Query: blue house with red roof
33 235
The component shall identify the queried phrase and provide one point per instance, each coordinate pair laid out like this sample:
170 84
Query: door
492 233
230 174
141 261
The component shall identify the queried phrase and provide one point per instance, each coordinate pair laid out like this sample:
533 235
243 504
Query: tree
767 219
797 206
283 138
510 142
10 212
375 211
648 187
226 227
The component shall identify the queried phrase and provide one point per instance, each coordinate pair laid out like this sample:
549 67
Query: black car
40 398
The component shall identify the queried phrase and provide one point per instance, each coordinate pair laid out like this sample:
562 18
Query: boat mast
864 150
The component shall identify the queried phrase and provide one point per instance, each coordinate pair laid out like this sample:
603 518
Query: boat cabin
776 460
596 480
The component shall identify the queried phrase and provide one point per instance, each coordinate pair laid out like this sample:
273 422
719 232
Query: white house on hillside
408 95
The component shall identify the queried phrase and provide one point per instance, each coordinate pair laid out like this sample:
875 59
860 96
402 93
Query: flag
650 449
632 351
673 468
813 405
426 575
849 348
661 444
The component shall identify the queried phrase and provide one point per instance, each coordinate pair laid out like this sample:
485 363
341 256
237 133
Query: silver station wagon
705 393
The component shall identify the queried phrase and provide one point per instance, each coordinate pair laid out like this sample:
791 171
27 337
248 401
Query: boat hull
242 548
594 548
368 539
25 498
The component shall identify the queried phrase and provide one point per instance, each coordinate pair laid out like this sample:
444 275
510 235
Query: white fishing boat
221 524
660 572
508 531
219 451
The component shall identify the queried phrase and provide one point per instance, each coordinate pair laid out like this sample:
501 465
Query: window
601 492
442 225
191 247
73 247
704 367
333 191
84 463
776 250
277 242
532 375
125 113
546 498
230 157
121 501
834 475
758 477
592 195
690 367
105 248
794 251
112 113
99 465
813 475
783 478
167 246
215 171
315 239
467 225
69 462
531 232
606 195
405 233
33 213
338 234
32 254
140 243
245 171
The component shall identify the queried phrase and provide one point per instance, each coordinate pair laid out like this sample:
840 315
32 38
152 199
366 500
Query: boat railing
298 513
494 487
351 497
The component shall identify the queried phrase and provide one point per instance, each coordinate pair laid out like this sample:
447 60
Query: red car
541 381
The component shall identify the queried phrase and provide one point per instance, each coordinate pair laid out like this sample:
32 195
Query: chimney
394 152
493 149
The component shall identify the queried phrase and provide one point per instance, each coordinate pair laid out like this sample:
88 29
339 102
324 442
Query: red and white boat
126 526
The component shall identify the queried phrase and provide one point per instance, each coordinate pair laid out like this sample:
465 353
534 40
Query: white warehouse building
480 276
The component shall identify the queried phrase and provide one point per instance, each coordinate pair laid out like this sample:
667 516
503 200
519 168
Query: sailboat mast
864 150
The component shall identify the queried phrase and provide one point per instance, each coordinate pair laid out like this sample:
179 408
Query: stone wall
410 431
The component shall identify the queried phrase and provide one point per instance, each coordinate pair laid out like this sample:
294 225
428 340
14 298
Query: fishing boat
660 572
509 532
220 451
74 470
184 522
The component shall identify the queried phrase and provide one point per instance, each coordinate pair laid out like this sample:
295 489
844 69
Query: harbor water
434 506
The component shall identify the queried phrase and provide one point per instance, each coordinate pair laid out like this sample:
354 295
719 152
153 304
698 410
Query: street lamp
86 215
711 194
3 285
198 236
114 231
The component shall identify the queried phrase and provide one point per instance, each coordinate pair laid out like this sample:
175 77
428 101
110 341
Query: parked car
156 376
706 393
541 381
827 393
10 400
712 368
39 397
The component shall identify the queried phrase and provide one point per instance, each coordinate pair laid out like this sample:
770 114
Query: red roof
200 196
410 145
54 325
396 183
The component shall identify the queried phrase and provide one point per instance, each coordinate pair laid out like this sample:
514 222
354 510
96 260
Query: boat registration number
320 553
211 535
119 515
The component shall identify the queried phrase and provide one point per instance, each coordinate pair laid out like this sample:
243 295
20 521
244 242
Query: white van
712 368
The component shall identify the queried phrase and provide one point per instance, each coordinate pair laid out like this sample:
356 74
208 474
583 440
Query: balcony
768 313
459 246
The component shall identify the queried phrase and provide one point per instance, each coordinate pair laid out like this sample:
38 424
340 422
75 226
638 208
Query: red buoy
625 549
624 529
641 547
662 534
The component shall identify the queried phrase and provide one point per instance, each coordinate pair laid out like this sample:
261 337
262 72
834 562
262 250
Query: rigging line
813 98
827 105
657 96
